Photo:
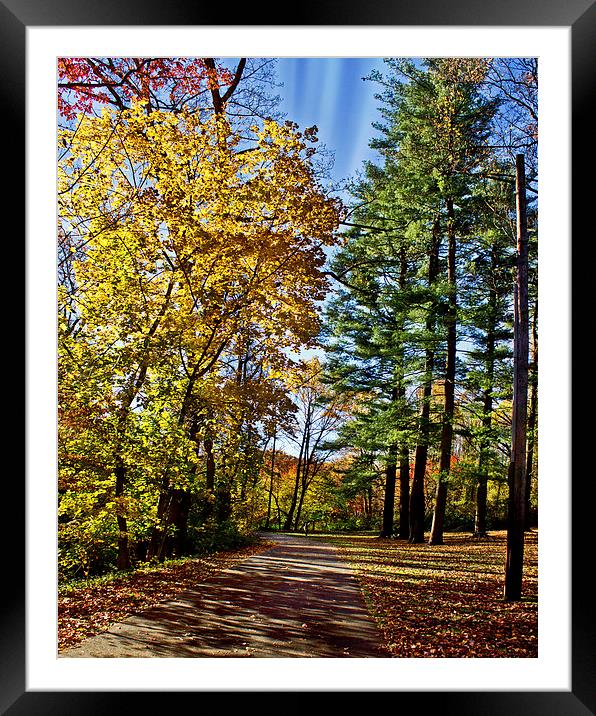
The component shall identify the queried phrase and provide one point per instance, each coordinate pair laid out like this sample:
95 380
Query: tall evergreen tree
437 124
368 334
486 317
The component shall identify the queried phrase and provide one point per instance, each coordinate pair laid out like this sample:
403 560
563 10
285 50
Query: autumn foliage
190 264
87 82
199 258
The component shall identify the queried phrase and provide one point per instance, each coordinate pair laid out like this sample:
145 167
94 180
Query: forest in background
244 347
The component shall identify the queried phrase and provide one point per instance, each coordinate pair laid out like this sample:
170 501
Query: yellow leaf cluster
187 234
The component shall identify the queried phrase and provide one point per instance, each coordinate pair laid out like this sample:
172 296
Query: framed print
34 34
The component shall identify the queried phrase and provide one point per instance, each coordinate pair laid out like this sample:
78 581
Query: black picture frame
580 16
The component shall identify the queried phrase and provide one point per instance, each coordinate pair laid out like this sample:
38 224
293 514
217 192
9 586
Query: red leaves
83 81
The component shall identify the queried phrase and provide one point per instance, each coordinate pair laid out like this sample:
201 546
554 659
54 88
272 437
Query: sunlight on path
295 600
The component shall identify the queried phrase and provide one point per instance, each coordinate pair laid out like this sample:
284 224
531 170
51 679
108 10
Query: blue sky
330 93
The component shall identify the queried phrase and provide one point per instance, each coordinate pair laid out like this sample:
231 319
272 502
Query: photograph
297 357
287 428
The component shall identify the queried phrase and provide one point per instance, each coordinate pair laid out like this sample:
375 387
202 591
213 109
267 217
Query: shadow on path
294 600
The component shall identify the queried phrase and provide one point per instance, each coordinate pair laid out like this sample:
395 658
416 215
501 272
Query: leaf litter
447 600
89 608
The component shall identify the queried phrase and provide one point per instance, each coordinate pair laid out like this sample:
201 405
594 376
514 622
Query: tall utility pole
517 467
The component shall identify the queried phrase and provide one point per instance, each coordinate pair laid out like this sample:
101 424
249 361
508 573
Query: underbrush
207 541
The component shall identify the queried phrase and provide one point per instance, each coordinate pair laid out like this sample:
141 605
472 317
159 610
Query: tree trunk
128 398
223 503
390 480
417 506
271 483
404 456
481 495
436 534
183 502
174 505
480 524
123 553
178 509
309 471
517 471
389 501
303 451
209 464
219 101
290 516
417 501
533 416
299 506
301 493
157 532
404 493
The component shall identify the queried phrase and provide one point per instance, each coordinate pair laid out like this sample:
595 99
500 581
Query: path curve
297 599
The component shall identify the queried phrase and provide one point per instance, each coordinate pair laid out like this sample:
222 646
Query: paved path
295 600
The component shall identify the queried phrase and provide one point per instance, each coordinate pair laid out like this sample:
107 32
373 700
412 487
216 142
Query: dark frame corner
580 16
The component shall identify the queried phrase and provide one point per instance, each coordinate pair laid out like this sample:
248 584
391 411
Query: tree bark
290 516
223 503
271 483
480 523
123 553
303 488
175 543
404 455
517 471
128 398
389 501
219 101
303 457
533 416
417 506
157 532
436 535
404 492
209 464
